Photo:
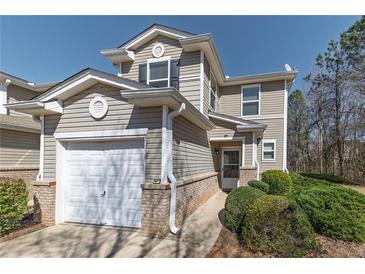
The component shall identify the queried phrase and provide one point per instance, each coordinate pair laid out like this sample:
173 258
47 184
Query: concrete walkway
195 239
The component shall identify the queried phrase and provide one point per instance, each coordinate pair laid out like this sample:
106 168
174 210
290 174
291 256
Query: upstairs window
213 92
250 96
268 150
158 72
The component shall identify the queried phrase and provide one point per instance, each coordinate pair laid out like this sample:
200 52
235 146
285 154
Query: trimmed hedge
277 225
259 185
237 202
333 210
332 178
279 182
13 203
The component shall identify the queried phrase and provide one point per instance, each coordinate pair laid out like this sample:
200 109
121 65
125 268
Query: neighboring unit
146 147
19 132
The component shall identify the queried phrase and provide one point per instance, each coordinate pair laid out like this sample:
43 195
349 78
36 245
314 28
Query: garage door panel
115 167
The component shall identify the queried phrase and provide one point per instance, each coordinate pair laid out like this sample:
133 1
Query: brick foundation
28 175
45 202
247 174
191 193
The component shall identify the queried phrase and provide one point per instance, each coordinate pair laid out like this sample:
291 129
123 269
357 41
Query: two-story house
147 146
19 132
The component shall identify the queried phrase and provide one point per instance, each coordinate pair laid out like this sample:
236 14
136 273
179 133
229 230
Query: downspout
41 148
170 174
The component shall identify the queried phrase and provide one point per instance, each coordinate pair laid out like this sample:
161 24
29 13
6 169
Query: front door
230 168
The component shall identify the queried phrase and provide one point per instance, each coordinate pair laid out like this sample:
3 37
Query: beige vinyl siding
120 115
190 68
229 100
18 149
16 94
272 99
191 91
274 130
191 149
189 82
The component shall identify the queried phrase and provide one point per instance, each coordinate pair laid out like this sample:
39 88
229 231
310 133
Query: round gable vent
98 107
158 50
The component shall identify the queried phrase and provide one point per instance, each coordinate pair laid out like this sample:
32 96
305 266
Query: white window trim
250 101
157 60
269 141
211 91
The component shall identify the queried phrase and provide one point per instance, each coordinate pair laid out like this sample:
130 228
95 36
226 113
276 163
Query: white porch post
254 149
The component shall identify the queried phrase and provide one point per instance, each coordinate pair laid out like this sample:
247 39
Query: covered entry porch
234 144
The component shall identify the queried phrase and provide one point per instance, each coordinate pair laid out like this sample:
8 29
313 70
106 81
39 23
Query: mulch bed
228 246
20 231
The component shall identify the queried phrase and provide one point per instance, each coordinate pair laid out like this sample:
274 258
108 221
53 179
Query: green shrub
259 185
332 178
13 203
279 182
277 225
333 210
237 202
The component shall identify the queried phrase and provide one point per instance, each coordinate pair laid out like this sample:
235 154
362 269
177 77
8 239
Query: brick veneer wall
191 193
247 174
28 175
45 202
155 210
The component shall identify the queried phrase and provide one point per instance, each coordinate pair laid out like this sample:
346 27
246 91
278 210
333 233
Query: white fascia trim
40 175
263 117
227 139
102 134
212 115
80 81
285 127
262 150
132 43
164 146
202 81
54 106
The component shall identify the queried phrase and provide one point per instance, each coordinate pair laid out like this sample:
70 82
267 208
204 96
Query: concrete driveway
195 239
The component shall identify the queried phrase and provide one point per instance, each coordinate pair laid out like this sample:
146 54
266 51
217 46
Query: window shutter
142 73
174 73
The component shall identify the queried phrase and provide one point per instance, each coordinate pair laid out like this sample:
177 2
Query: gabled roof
191 42
84 79
153 31
24 83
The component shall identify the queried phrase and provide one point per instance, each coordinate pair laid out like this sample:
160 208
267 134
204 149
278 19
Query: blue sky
51 48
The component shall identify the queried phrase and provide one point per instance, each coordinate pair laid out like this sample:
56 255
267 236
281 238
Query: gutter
170 175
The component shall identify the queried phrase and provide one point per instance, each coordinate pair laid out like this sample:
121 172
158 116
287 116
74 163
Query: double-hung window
250 100
213 92
268 150
158 72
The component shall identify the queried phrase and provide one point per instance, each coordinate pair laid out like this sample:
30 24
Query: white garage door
103 182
